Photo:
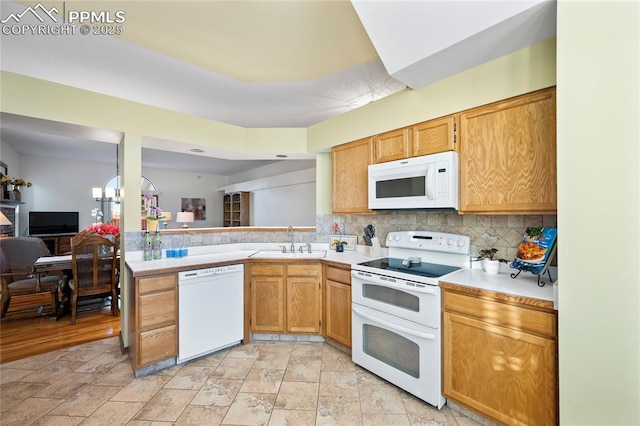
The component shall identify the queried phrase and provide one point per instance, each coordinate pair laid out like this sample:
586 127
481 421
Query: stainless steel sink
278 254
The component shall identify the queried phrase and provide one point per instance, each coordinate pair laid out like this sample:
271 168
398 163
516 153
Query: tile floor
263 383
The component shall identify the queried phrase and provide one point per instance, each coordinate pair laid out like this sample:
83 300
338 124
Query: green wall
598 105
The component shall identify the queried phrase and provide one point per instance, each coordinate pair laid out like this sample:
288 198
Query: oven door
401 352
412 301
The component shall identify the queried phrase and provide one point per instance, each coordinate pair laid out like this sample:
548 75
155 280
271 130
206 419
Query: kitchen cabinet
433 136
508 156
153 335
500 356
393 145
286 297
304 298
337 303
236 209
267 287
349 164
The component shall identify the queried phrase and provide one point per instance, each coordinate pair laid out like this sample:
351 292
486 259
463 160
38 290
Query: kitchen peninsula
153 293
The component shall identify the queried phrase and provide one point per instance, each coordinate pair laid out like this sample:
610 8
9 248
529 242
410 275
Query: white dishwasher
210 310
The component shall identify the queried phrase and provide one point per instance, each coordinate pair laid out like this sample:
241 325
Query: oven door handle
394 326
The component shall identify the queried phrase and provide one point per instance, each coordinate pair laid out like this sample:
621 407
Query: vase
339 248
491 266
15 194
152 225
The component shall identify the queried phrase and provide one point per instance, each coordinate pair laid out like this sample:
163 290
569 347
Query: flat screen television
51 223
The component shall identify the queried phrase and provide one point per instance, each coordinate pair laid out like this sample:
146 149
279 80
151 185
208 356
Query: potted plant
337 244
490 264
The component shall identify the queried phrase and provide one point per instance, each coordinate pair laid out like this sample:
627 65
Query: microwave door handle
430 183
394 326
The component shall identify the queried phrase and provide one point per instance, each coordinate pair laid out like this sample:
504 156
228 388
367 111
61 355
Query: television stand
57 243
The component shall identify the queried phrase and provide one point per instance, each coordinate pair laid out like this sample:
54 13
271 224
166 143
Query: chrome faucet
290 232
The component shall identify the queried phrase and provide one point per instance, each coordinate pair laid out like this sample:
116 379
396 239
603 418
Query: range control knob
461 243
450 242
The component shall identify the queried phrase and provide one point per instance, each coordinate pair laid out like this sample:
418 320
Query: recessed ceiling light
198 150
281 156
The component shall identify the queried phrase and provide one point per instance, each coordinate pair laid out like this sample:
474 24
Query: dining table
61 263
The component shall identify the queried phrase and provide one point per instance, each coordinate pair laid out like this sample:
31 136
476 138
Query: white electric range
396 304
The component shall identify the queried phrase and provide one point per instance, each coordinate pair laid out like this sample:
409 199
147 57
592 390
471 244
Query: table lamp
4 220
184 217
167 218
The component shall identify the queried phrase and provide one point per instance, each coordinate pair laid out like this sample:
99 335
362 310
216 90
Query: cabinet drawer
157 309
339 275
499 313
157 345
267 269
303 270
159 283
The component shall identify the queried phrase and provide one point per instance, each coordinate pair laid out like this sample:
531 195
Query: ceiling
256 63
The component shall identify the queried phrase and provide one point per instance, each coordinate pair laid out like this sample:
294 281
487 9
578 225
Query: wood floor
23 333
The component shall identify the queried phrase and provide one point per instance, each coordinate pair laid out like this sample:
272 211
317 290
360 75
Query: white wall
285 205
598 102
61 185
173 185
282 193
11 158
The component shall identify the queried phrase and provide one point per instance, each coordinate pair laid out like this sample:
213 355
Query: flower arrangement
16 182
153 212
104 229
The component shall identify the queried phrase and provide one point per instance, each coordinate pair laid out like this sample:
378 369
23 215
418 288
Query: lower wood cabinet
286 297
500 358
337 302
153 334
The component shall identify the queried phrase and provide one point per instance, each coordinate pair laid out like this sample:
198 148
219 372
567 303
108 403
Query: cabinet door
393 145
350 177
338 307
506 374
508 156
157 345
156 310
304 307
267 304
433 136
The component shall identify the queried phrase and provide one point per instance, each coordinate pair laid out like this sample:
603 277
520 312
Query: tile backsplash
503 232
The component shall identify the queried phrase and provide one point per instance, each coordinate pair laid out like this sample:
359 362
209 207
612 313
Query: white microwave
427 182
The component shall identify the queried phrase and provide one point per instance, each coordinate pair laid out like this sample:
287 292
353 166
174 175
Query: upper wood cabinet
349 165
393 145
508 156
433 136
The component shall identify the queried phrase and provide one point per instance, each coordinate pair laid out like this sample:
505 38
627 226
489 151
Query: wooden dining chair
95 270
17 256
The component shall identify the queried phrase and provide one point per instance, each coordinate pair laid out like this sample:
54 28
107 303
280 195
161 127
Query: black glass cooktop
423 269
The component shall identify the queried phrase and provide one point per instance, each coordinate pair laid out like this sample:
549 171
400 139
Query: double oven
396 301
